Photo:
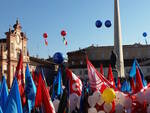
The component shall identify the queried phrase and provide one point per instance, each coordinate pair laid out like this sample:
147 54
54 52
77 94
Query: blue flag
128 87
133 69
53 93
59 90
13 103
125 87
1 110
3 93
57 80
133 72
0 85
30 89
82 101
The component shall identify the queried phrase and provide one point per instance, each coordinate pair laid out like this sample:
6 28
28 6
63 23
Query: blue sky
78 18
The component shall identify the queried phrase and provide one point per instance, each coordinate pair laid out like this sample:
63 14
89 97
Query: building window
127 70
85 72
127 54
102 55
24 51
12 47
81 62
80 72
72 62
5 48
148 70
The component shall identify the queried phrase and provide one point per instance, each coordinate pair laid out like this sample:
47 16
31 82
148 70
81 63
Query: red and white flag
97 80
75 82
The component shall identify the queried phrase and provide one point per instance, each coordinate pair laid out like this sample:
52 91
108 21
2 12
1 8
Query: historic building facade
101 55
10 48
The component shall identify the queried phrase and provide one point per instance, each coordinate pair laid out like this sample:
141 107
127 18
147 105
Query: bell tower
16 43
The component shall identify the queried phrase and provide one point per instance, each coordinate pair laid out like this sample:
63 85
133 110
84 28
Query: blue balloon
98 24
58 58
108 23
144 34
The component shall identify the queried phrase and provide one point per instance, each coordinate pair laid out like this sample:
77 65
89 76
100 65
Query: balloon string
64 40
46 42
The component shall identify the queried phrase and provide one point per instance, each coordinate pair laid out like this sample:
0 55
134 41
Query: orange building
10 48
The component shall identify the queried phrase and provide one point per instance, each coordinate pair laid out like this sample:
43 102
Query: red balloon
63 33
45 35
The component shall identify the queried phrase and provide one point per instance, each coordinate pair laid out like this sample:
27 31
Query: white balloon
148 109
147 95
96 96
78 103
128 110
91 101
56 104
119 108
140 97
128 103
92 110
73 101
120 98
101 112
100 101
107 107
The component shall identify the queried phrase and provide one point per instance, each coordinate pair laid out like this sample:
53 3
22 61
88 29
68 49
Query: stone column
118 40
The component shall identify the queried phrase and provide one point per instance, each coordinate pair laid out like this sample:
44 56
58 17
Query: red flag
132 85
20 78
139 84
75 83
101 69
38 97
110 76
43 97
46 100
119 84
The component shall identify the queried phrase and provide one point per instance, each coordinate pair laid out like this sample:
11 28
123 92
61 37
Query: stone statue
113 59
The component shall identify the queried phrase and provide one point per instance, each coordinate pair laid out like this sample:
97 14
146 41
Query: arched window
12 47
24 51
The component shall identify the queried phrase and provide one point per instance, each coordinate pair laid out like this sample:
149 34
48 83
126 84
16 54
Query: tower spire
17 21
17 26
118 40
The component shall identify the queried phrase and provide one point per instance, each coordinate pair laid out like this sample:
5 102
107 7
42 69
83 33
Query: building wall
83 72
101 55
